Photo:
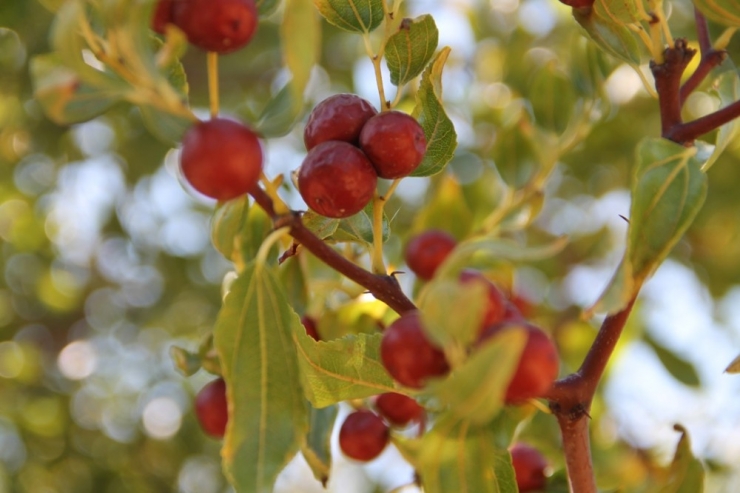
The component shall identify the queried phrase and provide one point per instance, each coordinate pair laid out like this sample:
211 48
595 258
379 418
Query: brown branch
686 133
668 83
570 401
710 57
383 287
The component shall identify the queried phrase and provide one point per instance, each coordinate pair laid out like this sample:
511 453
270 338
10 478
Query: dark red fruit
529 467
538 365
426 251
408 355
398 409
162 15
496 307
310 325
339 117
336 179
221 26
211 408
363 436
394 142
221 158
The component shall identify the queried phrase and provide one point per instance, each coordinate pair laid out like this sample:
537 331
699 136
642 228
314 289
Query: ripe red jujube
336 179
221 158
426 251
496 304
162 15
363 436
529 467
394 142
339 117
398 409
211 408
221 26
408 355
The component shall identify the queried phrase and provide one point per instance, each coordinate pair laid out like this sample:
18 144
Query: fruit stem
376 59
212 60
378 266
271 187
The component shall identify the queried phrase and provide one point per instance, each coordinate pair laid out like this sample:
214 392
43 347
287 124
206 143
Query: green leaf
238 229
615 39
438 128
294 284
728 90
686 473
621 11
452 312
445 209
360 16
668 191
321 226
267 7
64 97
280 114
187 362
409 50
475 391
317 450
12 51
267 411
553 99
360 227
341 369
455 456
725 12
679 368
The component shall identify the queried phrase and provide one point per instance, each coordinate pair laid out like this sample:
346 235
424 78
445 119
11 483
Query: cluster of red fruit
349 146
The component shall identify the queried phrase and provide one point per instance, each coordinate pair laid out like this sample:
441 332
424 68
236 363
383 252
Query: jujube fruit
363 436
426 251
339 117
162 15
211 408
496 303
538 364
221 158
394 142
398 409
336 179
408 355
529 467
221 26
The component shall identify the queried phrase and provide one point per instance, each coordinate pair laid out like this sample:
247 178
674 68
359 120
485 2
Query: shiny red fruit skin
336 179
496 308
398 409
529 467
162 15
339 117
394 142
221 26
426 251
408 355
211 408
221 158
538 365
363 436
310 325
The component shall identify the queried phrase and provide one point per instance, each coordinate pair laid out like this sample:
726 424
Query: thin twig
710 57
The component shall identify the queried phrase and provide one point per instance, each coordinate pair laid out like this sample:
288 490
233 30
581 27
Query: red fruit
394 142
162 15
336 179
363 436
496 307
529 467
538 365
222 26
310 325
211 408
426 251
398 409
221 158
339 117
408 355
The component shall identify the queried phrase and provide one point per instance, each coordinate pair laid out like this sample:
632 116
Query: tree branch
710 57
668 82
383 287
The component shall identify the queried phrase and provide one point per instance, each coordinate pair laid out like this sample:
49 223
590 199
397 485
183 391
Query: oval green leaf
409 50
361 16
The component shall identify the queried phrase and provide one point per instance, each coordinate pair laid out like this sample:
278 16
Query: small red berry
394 142
529 467
211 408
496 305
398 409
339 117
162 15
408 355
538 365
363 436
221 158
221 26
426 251
310 325
336 179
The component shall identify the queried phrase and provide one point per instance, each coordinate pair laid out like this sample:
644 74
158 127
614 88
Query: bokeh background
106 260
